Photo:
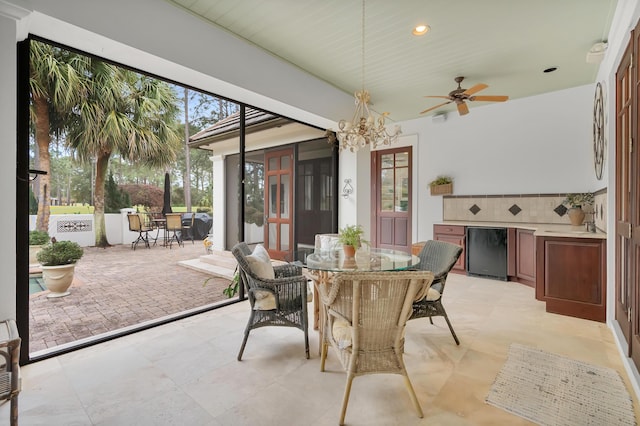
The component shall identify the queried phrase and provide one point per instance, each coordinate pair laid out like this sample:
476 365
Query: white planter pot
58 279
33 251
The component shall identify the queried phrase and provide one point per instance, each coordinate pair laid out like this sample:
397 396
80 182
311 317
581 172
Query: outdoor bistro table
161 223
322 264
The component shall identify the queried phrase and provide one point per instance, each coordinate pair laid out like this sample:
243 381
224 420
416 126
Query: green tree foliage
124 113
115 198
56 82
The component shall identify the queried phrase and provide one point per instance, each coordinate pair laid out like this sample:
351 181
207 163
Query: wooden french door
627 230
278 196
391 194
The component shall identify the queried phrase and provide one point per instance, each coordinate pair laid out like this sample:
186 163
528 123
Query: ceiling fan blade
440 97
437 106
495 98
463 109
478 87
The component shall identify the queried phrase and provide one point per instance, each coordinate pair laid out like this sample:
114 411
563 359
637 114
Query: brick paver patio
117 287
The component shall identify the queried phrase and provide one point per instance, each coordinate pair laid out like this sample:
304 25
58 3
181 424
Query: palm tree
124 113
56 85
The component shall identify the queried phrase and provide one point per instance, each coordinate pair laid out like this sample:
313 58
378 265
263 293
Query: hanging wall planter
442 185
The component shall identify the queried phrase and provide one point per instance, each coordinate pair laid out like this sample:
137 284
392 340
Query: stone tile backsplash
519 208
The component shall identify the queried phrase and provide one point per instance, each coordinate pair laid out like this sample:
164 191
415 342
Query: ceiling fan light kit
363 129
460 96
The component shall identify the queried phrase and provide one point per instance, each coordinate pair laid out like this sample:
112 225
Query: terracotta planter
58 279
576 216
349 251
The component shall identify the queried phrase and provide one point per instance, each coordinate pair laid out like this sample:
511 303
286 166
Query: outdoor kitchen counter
541 229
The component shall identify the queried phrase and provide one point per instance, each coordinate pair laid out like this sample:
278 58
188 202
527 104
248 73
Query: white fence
80 228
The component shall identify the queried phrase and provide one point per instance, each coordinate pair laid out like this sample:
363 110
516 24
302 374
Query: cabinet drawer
449 229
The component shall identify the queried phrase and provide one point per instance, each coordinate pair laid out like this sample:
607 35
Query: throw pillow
260 264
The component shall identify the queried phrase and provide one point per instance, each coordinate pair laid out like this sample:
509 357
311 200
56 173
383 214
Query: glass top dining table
365 259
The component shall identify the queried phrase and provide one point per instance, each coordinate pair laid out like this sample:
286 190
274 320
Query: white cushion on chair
260 264
341 332
266 301
433 294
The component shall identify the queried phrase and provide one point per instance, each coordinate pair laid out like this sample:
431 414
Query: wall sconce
347 189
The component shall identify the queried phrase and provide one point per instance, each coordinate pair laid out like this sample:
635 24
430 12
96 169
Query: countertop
540 229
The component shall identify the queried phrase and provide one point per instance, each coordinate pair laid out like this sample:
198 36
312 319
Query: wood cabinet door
526 256
627 197
455 235
571 276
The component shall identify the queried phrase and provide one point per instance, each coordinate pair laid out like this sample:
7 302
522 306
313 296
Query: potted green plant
351 239
441 185
36 240
576 201
58 260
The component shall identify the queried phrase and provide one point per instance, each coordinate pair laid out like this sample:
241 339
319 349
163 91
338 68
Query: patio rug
548 389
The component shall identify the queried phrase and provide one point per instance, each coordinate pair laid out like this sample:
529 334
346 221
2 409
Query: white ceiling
505 44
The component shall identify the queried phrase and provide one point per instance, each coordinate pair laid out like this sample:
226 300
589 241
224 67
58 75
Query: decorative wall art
599 135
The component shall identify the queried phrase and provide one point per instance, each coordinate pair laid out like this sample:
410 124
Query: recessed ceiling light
420 30
551 69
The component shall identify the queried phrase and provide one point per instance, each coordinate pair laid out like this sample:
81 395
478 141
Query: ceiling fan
460 95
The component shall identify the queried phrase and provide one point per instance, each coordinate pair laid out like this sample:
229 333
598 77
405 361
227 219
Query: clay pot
349 251
576 216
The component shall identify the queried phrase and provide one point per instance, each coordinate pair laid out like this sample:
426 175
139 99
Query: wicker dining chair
439 258
366 317
279 300
9 367
188 230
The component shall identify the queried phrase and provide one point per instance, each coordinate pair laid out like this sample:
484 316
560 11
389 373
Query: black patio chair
187 229
439 258
279 301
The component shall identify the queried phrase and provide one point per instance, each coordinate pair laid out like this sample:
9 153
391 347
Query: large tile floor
186 373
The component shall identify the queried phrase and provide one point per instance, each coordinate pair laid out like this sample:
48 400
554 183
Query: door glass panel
386 190
386 161
326 199
284 197
273 195
402 159
402 190
284 237
273 235
273 163
284 162
308 193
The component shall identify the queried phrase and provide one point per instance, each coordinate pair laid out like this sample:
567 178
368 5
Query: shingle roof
231 124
